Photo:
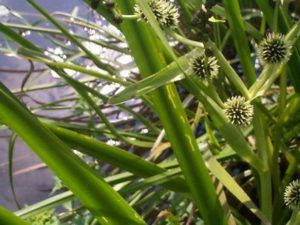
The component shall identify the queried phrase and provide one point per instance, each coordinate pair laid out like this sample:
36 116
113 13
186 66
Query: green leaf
107 205
11 146
227 180
39 57
149 55
115 156
18 38
170 73
238 33
8 218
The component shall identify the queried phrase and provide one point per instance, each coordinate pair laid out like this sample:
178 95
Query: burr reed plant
168 112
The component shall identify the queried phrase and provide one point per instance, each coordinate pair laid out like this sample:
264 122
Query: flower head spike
274 49
205 67
157 9
239 111
292 195
172 15
165 12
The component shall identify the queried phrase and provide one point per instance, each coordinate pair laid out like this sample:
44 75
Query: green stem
275 169
294 33
88 24
283 94
265 80
264 154
171 112
238 33
295 218
266 194
49 85
289 173
185 40
130 17
186 13
228 70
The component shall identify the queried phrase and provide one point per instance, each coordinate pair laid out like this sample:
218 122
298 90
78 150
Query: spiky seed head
205 67
157 9
172 15
165 12
274 49
291 195
239 111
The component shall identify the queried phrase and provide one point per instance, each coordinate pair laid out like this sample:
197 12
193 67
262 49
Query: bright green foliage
196 117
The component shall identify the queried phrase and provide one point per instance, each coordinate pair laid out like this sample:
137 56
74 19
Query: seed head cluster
292 195
165 12
274 49
205 67
239 111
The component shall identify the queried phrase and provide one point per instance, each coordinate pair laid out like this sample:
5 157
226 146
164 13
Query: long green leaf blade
107 205
115 156
8 218
168 74
169 108
237 28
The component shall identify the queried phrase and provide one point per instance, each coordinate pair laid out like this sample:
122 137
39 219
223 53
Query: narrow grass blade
151 181
38 57
224 177
81 91
95 59
170 73
267 10
237 28
186 13
18 38
45 205
11 145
